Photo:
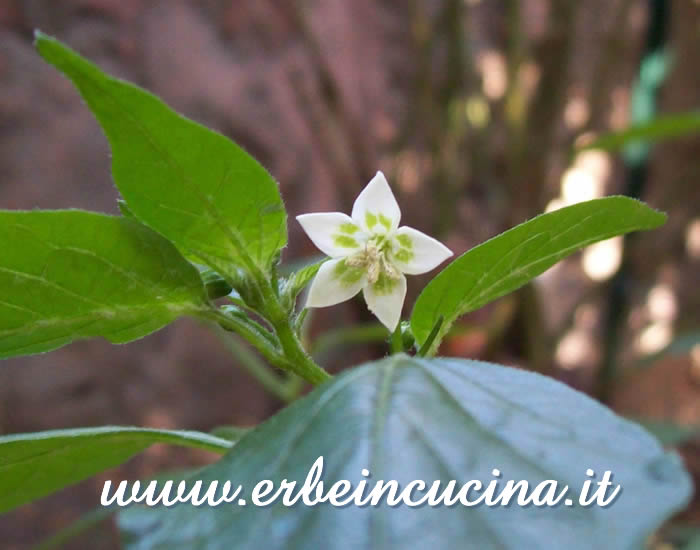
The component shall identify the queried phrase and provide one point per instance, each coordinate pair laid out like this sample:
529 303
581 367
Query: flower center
375 259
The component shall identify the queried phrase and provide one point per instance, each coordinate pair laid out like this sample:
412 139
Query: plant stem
300 361
297 360
286 389
290 358
243 329
396 341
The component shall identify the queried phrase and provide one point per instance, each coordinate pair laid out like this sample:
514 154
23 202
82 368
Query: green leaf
229 433
670 434
660 128
69 275
409 419
297 281
511 259
216 285
192 185
37 464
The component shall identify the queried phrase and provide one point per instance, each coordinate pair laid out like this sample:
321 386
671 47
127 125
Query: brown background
324 93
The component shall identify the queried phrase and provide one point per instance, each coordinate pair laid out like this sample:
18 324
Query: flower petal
414 252
335 282
335 234
385 299
375 208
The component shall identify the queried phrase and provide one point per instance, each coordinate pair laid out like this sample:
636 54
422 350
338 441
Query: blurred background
474 109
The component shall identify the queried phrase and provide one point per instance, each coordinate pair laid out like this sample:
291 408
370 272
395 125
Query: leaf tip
661 216
40 38
42 42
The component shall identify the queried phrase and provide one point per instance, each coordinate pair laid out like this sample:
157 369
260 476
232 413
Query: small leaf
192 185
124 209
511 259
216 285
658 129
409 419
70 275
37 464
297 282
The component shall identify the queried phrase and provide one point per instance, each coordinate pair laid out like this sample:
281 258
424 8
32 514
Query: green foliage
297 282
407 419
216 285
192 185
670 434
194 197
658 129
230 433
37 464
511 259
68 275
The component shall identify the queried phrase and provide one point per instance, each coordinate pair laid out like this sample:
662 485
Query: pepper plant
201 235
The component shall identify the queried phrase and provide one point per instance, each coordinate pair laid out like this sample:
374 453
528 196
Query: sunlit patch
596 163
654 338
619 114
578 185
477 111
494 75
662 303
555 204
600 261
692 239
410 167
584 180
576 112
574 349
529 77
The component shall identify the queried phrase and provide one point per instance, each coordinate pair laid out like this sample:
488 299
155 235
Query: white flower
369 252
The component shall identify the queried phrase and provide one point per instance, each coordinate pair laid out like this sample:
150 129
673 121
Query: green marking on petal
345 241
384 285
386 222
348 228
370 220
405 241
404 255
348 275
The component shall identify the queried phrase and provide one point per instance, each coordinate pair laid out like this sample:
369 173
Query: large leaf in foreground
196 187
410 419
37 464
69 275
508 261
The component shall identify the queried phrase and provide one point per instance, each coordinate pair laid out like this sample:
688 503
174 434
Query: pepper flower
369 252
